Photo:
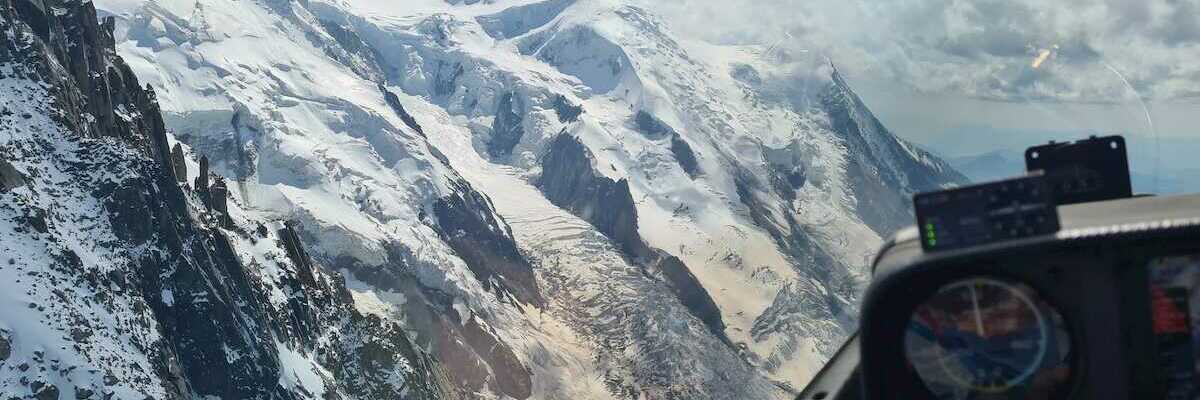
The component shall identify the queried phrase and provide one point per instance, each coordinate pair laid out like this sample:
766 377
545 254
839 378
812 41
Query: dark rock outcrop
746 74
691 293
468 223
291 243
97 93
785 169
10 177
43 390
470 358
570 181
652 127
446 78
508 127
219 201
655 129
566 111
685 156
178 162
394 102
5 346
202 178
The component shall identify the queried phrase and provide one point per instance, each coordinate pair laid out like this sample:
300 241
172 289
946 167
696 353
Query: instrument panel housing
1095 272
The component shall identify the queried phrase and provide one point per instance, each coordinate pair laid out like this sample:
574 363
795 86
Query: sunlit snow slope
557 199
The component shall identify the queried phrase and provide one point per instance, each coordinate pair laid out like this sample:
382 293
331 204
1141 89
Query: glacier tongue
555 198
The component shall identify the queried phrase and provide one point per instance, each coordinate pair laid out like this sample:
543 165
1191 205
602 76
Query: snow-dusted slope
119 280
557 199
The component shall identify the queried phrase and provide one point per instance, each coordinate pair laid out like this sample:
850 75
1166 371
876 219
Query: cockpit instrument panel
1107 307
985 338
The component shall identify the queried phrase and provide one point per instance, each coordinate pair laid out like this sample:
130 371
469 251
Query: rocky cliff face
570 181
72 53
508 127
469 224
120 283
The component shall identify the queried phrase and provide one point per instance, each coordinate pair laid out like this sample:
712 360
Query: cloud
976 48
1183 23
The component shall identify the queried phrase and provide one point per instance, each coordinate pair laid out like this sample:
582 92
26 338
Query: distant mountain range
990 166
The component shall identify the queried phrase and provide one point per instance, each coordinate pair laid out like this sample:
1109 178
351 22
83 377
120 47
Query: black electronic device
986 213
1093 169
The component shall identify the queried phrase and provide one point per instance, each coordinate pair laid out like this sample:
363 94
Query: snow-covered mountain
485 199
119 279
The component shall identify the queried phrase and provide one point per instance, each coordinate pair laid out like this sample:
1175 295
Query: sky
1021 69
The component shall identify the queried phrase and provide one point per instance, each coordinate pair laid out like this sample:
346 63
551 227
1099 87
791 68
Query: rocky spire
202 178
295 251
179 163
219 201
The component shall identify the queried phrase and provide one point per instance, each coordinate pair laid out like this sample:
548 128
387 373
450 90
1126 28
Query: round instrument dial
984 338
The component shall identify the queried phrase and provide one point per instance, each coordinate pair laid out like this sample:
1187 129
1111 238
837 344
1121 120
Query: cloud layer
977 48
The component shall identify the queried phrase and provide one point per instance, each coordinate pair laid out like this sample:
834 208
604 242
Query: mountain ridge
139 286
